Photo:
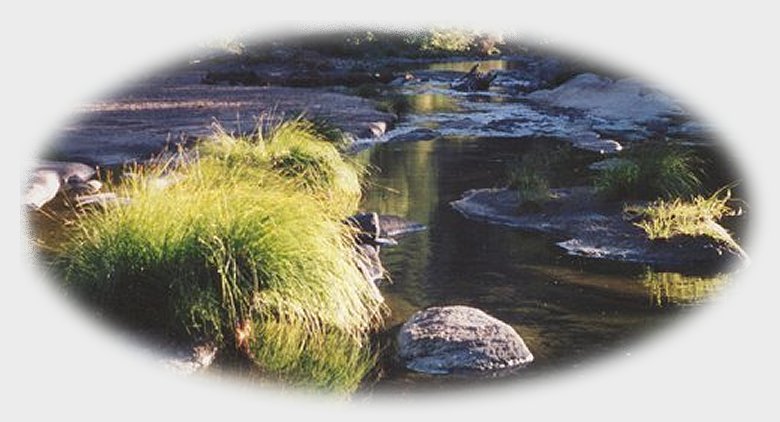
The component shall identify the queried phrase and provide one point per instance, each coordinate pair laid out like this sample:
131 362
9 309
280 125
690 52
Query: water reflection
672 288
429 102
465 66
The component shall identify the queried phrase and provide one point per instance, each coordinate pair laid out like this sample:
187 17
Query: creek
567 309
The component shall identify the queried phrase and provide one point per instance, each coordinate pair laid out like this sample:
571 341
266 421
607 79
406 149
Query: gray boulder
441 340
623 99
50 177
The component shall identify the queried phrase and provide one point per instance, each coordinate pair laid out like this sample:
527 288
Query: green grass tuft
293 355
531 185
664 219
532 174
251 236
650 172
297 152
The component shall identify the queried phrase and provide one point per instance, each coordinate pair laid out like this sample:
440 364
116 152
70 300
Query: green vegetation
297 153
294 356
451 41
652 171
531 185
247 249
539 169
664 219
436 42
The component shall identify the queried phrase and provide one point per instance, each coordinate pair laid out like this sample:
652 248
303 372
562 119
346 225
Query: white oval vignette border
721 61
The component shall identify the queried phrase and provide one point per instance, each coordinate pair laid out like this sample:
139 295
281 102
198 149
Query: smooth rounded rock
441 340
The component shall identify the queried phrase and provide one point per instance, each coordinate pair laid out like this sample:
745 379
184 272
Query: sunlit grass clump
665 219
247 249
295 356
297 152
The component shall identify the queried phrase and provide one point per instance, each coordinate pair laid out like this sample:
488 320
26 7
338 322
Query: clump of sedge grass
664 219
650 172
531 185
298 153
531 175
293 355
242 244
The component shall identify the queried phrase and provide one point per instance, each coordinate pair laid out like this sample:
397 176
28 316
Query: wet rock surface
545 97
589 228
374 231
441 340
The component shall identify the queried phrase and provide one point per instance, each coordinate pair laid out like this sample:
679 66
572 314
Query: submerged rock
394 226
442 340
589 228
420 134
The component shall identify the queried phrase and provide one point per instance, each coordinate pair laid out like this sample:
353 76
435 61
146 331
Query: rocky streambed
430 147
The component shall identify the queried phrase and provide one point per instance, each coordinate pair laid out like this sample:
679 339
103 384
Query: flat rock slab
147 116
622 99
589 228
442 340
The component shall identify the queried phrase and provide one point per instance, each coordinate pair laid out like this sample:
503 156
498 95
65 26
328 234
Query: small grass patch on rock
664 219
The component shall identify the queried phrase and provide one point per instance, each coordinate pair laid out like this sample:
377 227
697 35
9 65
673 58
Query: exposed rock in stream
589 228
474 80
374 231
602 97
176 107
589 111
51 177
442 340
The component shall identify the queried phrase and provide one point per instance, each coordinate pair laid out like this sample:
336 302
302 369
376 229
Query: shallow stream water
568 310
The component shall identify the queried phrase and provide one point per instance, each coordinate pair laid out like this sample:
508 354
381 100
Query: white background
720 362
